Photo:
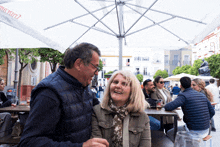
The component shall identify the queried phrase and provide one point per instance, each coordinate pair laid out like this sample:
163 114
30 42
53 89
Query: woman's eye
115 82
124 84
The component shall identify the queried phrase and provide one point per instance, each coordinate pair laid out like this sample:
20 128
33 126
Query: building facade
174 58
210 45
145 61
32 74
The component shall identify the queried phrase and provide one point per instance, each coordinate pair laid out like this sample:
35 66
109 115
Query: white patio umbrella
156 24
178 77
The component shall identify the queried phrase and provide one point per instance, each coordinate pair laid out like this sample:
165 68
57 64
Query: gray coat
139 127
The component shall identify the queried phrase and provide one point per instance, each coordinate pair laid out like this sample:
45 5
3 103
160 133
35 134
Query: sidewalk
216 135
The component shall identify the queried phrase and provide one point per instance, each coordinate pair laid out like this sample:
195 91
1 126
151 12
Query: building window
166 59
212 46
145 71
103 62
34 65
137 59
176 60
186 60
145 58
33 81
127 62
137 71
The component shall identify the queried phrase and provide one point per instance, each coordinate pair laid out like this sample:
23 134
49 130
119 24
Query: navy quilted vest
76 103
196 112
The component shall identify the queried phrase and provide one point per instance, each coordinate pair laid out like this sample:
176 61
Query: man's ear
78 63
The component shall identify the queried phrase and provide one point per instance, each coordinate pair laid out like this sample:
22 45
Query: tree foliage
140 77
52 56
161 73
100 64
2 54
214 65
176 71
193 70
195 67
26 56
183 69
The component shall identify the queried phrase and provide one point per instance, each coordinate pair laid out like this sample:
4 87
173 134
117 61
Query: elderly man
61 104
147 90
196 108
215 92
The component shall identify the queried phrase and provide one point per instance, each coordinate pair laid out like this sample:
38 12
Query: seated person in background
196 108
5 117
176 90
148 88
4 102
215 92
164 95
121 118
199 85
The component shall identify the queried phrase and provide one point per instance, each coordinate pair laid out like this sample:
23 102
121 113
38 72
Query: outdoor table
18 108
13 109
162 113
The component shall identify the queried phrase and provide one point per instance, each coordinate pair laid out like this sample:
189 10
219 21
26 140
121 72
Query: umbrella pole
121 30
120 52
16 72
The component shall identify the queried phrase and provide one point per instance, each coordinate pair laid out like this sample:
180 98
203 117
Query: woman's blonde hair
137 100
201 84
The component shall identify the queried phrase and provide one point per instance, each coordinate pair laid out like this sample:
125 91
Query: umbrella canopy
106 23
179 76
206 78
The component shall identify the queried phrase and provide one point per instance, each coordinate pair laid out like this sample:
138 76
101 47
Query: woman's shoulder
97 108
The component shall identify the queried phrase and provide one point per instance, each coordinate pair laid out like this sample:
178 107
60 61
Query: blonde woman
121 118
199 85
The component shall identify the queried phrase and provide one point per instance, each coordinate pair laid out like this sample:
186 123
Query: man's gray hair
83 51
